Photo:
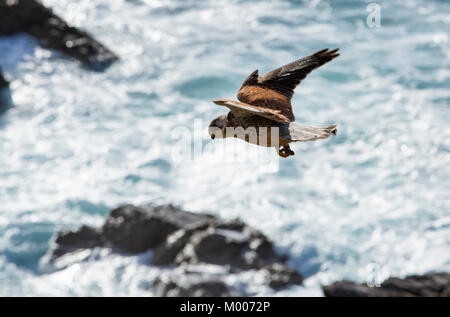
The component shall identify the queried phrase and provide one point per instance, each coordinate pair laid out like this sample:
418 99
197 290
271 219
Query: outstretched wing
286 78
242 109
275 89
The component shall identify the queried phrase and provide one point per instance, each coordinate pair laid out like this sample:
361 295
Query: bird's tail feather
301 133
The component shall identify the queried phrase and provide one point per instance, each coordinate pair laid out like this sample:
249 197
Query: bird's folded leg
285 151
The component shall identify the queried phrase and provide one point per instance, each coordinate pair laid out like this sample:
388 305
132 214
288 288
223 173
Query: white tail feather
301 133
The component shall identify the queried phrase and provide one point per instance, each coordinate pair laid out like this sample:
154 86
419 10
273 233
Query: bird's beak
213 136
220 102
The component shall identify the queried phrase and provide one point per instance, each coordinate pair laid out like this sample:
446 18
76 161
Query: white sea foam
369 203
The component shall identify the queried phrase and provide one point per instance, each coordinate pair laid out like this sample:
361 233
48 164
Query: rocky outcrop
136 229
191 286
278 276
428 285
3 82
232 244
51 31
70 241
201 255
129 229
5 95
182 241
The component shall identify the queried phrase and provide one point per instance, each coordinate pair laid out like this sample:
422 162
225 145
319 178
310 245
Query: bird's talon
285 151
283 154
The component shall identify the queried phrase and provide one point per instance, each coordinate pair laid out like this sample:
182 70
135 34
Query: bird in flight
264 107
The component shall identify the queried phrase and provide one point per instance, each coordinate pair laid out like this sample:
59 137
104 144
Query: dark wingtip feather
321 52
285 78
332 129
334 53
327 53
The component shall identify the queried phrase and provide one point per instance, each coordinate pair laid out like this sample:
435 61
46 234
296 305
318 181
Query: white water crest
370 203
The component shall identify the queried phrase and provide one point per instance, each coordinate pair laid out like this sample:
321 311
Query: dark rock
136 229
434 284
230 244
132 229
279 275
191 286
428 285
216 247
183 239
348 289
70 241
3 82
167 251
51 31
5 99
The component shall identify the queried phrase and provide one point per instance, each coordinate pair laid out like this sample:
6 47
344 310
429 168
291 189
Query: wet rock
279 275
184 240
435 284
69 241
231 244
427 285
131 229
3 82
51 31
348 289
167 251
136 229
216 247
191 286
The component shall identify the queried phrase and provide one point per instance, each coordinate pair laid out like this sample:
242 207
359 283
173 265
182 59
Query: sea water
370 203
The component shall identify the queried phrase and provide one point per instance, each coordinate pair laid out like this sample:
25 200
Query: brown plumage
265 101
275 89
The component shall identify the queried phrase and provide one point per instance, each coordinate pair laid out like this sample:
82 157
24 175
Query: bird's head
217 127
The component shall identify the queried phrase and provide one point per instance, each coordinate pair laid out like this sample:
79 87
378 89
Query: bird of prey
265 105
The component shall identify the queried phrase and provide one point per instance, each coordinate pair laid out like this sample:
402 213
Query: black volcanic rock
428 285
183 240
51 31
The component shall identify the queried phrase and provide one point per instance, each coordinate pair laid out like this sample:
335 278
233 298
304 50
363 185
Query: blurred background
372 202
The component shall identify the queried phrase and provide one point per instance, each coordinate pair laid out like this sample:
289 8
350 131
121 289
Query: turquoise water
370 203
